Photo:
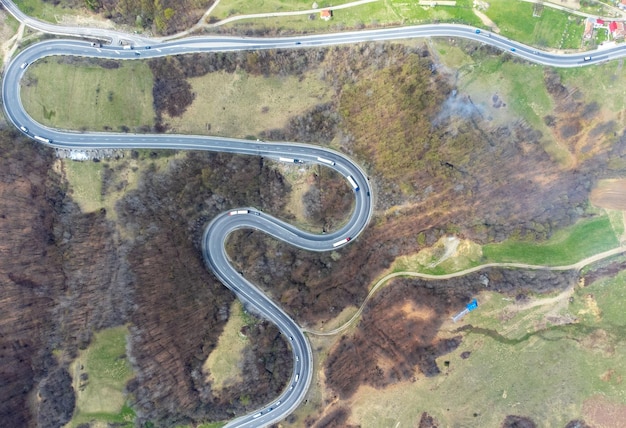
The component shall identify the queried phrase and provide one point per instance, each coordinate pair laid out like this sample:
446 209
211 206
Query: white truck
326 161
343 241
353 183
41 139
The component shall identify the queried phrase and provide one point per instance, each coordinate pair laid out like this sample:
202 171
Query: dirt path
576 266
485 20
10 46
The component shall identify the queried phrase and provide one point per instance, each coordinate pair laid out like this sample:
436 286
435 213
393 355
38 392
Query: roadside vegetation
158 17
47 11
99 377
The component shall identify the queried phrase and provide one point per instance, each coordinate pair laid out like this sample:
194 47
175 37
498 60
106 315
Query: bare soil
601 413
610 194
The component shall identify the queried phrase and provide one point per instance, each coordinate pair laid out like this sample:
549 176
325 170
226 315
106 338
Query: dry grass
223 365
242 105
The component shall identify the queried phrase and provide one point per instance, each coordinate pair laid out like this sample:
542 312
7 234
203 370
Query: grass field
376 13
570 245
101 396
222 366
241 105
555 29
545 374
89 97
228 8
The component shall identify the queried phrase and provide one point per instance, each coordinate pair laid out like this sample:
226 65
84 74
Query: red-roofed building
612 26
599 22
620 30
326 14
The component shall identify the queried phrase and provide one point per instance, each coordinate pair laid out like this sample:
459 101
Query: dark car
298 43
147 47
477 31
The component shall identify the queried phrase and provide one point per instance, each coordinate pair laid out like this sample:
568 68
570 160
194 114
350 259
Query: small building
326 14
618 30
589 24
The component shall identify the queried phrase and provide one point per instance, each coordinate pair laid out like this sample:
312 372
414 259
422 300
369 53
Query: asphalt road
217 231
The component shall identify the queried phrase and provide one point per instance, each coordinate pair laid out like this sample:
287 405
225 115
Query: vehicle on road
513 49
587 58
257 415
24 129
43 140
326 161
297 377
238 212
298 43
128 47
477 31
23 66
256 213
343 241
147 47
353 183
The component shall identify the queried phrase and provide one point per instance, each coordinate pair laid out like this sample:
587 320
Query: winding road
218 230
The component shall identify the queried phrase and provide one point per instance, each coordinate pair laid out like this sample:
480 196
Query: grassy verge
570 245
99 375
239 104
89 97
